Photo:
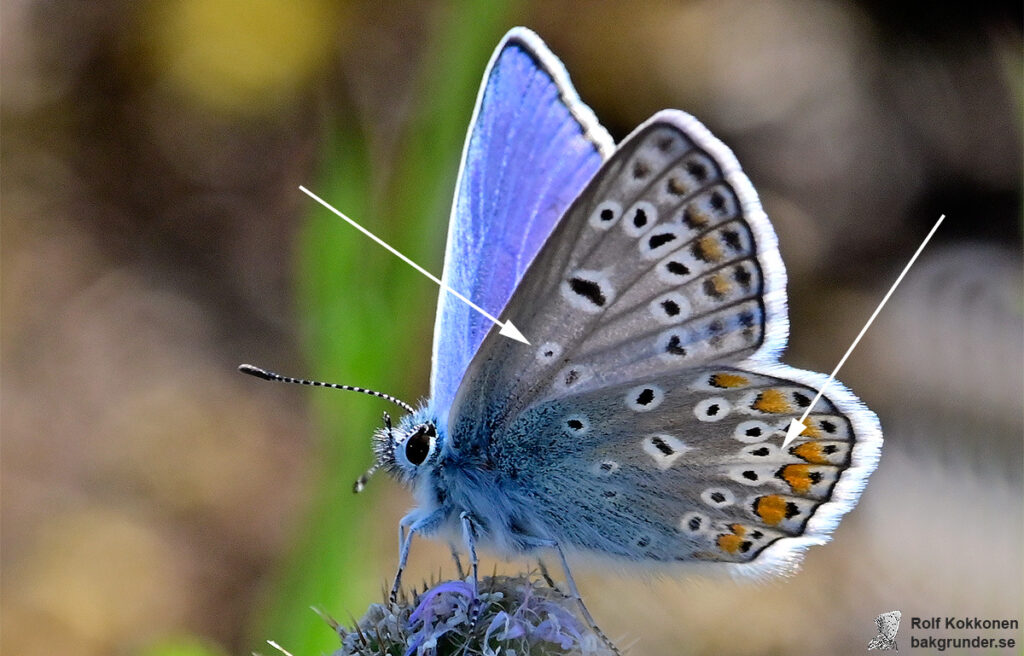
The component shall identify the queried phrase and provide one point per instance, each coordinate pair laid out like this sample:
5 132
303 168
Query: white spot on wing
579 298
644 398
671 308
714 409
548 352
694 523
753 431
718 497
665 449
606 215
642 213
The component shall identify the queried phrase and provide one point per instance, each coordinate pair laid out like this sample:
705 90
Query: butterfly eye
417 447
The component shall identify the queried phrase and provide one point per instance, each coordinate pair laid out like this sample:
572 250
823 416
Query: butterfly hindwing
688 466
532 147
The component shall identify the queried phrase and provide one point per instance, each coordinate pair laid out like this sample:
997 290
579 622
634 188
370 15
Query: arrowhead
509 330
795 428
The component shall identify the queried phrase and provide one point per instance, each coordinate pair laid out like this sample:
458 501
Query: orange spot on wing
712 252
810 430
722 285
729 543
772 509
798 477
738 529
771 401
811 452
727 381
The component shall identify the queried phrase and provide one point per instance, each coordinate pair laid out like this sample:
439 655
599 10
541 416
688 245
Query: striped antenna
270 375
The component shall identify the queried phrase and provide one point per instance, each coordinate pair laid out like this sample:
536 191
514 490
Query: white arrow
507 328
797 426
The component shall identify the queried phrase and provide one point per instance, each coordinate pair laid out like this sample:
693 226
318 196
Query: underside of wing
688 467
665 262
532 147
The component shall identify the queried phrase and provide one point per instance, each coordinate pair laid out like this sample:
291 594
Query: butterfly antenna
360 483
270 375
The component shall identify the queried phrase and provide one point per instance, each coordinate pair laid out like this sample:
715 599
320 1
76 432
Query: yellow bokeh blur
245 56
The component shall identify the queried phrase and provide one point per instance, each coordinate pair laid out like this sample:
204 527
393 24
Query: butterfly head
404 450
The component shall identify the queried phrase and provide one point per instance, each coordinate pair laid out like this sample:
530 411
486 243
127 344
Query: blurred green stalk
369 318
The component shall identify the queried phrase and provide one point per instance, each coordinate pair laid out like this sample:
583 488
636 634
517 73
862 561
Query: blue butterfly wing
531 149
645 420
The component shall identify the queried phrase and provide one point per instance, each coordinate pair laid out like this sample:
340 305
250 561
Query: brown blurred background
151 157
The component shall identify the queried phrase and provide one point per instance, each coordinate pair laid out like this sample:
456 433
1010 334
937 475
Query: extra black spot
664 144
608 494
607 214
750 475
574 424
755 431
643 541
640 218
757 535
571 377
745 546
671 308
677 268
792 510
715 341
712 410
828 426
747 319
717 201
589 290
697 170
661 445
645 397
802 400
829 449
675 187
693 524
548 353
716 327
732 239
710 289
640 169
674 347
660 239
742 277
759 452
815 477
607 467
717 497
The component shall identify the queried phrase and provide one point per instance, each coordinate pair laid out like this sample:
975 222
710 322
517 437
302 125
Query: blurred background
156 502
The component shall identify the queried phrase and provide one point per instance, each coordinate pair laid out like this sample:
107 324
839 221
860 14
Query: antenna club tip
255 371
358 486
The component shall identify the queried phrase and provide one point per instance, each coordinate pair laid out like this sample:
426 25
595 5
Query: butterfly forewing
650 409
532 146
657 266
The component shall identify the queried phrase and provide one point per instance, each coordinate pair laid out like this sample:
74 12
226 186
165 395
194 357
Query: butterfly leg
545 575
469 535
415 524
458 560
575 593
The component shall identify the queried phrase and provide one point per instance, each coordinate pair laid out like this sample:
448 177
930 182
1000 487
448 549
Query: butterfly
888 624
644 421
